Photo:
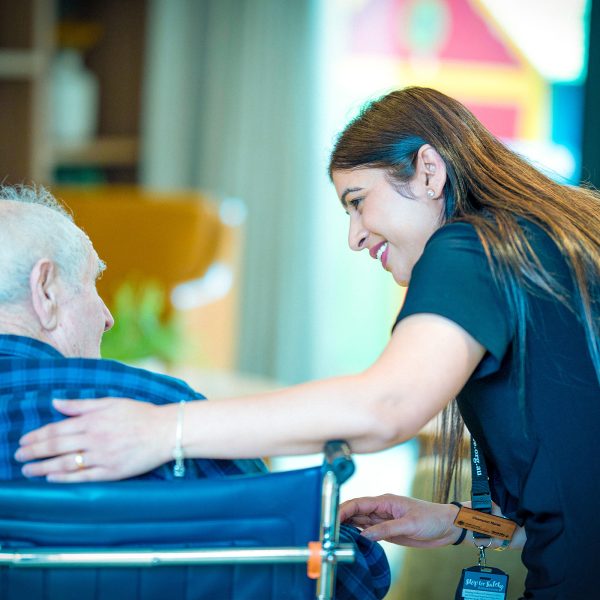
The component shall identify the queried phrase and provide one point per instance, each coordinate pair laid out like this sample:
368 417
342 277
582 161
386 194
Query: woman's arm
426 363
416 523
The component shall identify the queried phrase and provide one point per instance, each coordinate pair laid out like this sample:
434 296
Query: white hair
34 225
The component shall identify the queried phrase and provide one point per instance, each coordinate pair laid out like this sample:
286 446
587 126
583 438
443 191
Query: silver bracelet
179 466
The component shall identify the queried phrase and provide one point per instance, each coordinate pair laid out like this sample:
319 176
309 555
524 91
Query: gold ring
80 460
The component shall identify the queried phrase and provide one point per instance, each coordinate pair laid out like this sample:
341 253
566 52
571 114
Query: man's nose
357 234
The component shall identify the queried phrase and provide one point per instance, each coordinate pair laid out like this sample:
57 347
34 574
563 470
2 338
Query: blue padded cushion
276 509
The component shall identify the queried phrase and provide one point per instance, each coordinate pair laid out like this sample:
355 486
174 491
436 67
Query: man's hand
401 520
109 438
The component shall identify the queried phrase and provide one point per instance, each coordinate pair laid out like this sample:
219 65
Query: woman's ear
44 288
430 173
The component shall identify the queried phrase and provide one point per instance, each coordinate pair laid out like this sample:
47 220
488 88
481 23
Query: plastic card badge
482 583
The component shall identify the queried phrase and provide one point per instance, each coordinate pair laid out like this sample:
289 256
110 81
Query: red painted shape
501 119
472 38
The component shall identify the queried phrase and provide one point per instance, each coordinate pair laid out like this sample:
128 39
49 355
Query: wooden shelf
22 64
105 151
27 48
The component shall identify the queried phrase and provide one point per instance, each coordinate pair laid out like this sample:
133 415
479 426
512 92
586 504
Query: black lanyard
481 497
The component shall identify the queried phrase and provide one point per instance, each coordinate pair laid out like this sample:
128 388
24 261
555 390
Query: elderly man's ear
45 290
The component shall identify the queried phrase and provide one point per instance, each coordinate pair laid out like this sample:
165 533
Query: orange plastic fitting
313 566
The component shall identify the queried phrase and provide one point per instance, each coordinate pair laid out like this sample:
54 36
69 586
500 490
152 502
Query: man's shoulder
32 364
130 381
12 345
146 377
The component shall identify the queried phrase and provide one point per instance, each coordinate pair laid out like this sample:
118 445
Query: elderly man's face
83 316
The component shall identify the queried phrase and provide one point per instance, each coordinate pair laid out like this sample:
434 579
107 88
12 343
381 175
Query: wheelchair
271 536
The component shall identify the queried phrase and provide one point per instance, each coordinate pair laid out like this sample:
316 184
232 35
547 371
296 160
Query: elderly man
51 324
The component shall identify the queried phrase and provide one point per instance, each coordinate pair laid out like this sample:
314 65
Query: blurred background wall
240 101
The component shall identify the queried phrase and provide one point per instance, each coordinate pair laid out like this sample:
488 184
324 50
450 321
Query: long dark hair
492 188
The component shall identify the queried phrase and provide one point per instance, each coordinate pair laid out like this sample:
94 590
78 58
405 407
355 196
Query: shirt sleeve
453 279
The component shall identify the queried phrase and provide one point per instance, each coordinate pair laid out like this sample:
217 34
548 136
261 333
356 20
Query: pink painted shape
380 28
474 38
373 30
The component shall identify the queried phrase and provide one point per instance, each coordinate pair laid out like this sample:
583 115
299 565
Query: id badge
482 583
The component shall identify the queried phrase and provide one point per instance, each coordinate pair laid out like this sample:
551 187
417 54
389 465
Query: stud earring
430 193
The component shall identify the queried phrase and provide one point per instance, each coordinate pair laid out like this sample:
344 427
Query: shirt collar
26 347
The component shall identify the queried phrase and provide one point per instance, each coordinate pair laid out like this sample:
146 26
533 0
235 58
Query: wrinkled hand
401 520
110 438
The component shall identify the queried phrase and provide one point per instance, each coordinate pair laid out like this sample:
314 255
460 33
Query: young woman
502 313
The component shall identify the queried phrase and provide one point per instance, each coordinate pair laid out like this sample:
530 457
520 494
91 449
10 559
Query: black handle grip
338 458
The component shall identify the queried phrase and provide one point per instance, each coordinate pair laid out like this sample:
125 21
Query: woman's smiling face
392 225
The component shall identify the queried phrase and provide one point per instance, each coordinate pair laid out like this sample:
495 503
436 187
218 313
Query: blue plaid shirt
33 373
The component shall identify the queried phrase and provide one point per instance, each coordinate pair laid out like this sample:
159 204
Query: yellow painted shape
493 84
467 81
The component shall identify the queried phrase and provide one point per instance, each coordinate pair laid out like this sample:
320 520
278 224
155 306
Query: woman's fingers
51 431
123 437
68 426
51 447
370 505
73 408
76 461
397 531
52 440
351 508
385 530
363 521
68 435
402 520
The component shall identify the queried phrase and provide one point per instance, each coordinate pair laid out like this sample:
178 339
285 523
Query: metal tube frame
154 558
329 536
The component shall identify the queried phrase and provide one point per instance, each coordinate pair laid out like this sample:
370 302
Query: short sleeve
453 279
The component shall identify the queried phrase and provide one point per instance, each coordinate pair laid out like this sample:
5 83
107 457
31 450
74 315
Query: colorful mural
455 46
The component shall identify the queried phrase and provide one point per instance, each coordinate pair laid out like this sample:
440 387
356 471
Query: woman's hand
110 438
401 520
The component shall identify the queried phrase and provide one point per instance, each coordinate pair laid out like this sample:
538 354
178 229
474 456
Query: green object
79 175
428 26
141 330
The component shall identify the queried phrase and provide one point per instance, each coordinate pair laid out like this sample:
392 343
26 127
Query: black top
548 477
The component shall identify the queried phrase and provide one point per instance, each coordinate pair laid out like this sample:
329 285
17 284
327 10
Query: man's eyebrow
346 192
101 268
